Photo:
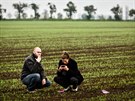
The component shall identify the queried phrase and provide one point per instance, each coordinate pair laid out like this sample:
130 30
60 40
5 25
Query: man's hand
38 59
43 82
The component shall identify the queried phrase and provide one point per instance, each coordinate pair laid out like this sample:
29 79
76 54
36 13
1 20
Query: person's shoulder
72 60
60 61
29 58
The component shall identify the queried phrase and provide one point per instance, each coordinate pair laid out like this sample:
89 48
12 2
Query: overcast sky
102 6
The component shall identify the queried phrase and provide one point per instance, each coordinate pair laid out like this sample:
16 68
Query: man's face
37 52
65 61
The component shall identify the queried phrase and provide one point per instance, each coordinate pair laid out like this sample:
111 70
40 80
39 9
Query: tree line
70 10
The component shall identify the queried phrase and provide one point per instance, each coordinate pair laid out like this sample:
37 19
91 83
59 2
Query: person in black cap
68 75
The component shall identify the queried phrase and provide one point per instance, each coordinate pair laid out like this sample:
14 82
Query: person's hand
60 68
43 82
65 68
38 59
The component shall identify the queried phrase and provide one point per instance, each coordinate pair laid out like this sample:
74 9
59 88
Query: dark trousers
65 82
33 81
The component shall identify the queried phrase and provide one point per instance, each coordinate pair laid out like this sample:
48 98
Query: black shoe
31 91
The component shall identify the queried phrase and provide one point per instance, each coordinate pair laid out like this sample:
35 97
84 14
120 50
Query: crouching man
33 75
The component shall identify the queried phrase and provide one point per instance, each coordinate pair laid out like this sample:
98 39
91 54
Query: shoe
67 89
33 91
75 90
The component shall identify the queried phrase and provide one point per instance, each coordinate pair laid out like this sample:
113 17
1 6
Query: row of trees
70 10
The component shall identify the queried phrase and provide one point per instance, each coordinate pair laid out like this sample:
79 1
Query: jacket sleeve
73 68
59 72
43 76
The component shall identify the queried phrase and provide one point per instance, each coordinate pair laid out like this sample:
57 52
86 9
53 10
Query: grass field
105 52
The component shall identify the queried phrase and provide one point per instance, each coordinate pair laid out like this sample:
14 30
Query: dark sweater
72 72
32 66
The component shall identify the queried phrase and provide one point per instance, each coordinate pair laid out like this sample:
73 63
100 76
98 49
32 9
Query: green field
105 52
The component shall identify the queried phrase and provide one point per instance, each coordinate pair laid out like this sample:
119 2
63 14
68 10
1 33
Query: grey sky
103 6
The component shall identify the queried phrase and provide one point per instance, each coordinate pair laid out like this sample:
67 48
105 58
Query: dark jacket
32 66
72 72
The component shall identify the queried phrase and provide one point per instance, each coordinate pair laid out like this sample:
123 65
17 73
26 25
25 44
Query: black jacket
72 72
32 66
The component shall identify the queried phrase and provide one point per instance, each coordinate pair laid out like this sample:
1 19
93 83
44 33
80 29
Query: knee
74 80
37 77
56 79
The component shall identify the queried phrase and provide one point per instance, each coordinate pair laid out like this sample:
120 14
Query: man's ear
35 56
